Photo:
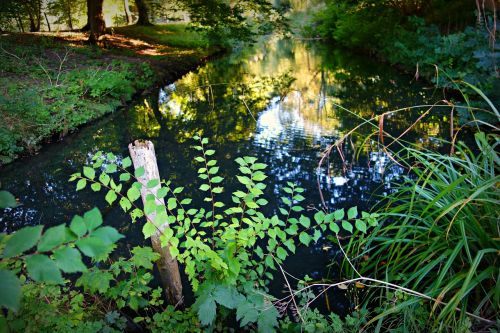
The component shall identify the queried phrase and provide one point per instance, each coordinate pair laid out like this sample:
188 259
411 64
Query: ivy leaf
92 218
78 226
10 293
125 204
69 260
42 269
52 238
96 187
7 200
139 172
22 240
204 187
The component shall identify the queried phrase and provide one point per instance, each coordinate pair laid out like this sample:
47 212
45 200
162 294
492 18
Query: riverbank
52 83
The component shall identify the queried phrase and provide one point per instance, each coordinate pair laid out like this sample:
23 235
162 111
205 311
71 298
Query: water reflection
282 101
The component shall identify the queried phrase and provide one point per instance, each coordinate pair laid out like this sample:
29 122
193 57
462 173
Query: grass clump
47 89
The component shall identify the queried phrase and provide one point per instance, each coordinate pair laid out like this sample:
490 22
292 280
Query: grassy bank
51 83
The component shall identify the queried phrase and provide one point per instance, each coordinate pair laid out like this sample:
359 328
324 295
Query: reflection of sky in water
292 91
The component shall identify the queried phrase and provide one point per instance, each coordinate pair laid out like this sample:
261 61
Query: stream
282 101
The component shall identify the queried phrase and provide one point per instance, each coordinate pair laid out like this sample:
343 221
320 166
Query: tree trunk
128 14
32 23
143 155
97 24
142 8
70 15
47 20
86 27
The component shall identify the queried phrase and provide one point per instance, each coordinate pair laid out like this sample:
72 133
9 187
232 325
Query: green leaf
22 240
52 238
10 292
108 235
244 180
69 260
199 159
153 183
78 226
110 197
126 162
352 213
305 238
178 190
104 179
268 319
80 185
89 172
133 194
227 296
281 253
7 200
206 309
92 218
148 229
319 217
290 245
186 201
111 168
93 247
305 221
204 187
217 179
125 177
210 152
361 226
347 226
334 227
96 187
171 203
162 192
125 204
339 214
259 176
139 172
317 235
42 269
247 313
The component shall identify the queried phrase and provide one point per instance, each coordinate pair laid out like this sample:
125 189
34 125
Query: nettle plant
229 250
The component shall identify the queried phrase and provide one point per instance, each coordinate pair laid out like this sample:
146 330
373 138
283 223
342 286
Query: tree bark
143 155
142 8
97 24
47 20
86 27
128 14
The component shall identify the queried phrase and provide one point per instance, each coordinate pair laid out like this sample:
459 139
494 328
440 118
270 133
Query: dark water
281 101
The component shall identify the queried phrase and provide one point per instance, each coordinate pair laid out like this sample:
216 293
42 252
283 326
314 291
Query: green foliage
394 32
57 249
229 249
439 236
46 93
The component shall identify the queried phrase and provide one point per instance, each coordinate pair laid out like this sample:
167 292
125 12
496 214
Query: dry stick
143 155
291 292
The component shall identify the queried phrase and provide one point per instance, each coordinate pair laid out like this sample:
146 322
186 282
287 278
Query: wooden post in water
143 155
